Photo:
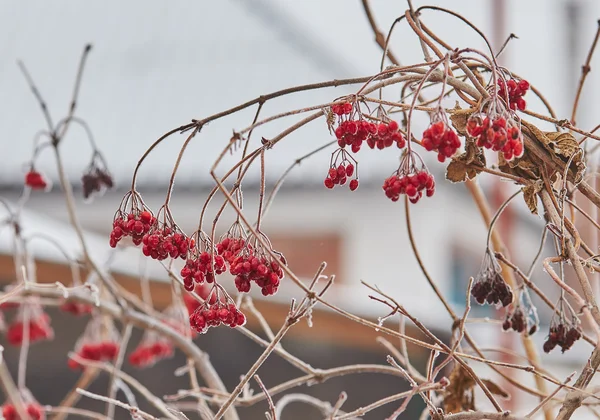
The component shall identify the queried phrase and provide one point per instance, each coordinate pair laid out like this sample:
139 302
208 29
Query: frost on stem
489 286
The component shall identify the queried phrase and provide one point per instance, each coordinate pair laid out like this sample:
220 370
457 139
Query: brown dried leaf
562 146
461 169
459 395
459 117
530 196
495 388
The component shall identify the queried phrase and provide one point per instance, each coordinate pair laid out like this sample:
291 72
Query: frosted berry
515 91
36 181
441 138
411 179
342 167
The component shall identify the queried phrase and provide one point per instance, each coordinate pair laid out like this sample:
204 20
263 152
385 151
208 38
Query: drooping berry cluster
133 219
31 317
32 407
229 247
251 262
516 91
411 178
221 312
522 316
99 351
342 108
496 135
150 350
382 135
262 270
99 342
342 167
353 129
515 320
76 308
168 241
563 335
489 286
442 139
202 265
96 179
36 181
34 411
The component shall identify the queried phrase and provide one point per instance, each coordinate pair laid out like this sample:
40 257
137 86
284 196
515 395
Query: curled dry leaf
495 389
561 146
530 196
464 167
459 395
459 117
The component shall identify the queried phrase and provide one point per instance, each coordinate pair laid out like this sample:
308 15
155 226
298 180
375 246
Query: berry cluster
99 342
38 325
229 247
213 315
150 350
563 335
343 108
96 351
496 135
339 176
441 138
95 181
197 268
160 244
249 267
411 179
36 181
76 308
489 286
354 132
515 320
135 224
34 411
515 93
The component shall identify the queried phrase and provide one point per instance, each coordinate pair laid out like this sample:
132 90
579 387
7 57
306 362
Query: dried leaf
459 117
461 168
561 145
530 196
495 388
459 395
